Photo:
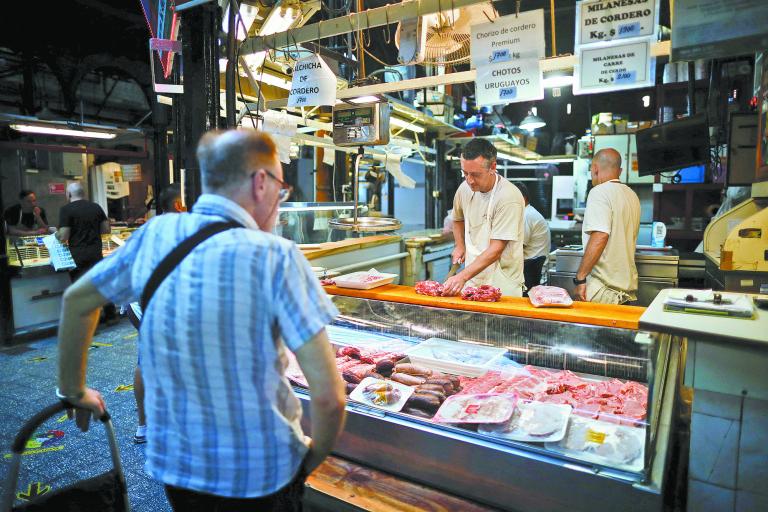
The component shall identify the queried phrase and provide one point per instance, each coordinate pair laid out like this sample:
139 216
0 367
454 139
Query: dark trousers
110 312
287 499
532 271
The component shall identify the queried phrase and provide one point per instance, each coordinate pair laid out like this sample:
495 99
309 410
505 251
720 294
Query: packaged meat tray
364 280
384 394
484 408
603 443
532 422
455 357
549 297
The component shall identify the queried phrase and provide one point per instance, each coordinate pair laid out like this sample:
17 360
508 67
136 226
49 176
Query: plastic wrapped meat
549 296
482 408
431 288
381 393
327 282
483 293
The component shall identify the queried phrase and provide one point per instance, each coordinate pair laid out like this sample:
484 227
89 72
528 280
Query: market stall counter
383 252
507 405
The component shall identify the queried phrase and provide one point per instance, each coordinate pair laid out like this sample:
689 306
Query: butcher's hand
453 285
457 255
580 292
36 211
92 403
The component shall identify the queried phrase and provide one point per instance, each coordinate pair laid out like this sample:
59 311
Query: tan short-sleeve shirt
507 221
614 208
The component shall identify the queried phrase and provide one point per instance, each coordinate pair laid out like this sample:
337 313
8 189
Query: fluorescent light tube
65 132
365 99
558 81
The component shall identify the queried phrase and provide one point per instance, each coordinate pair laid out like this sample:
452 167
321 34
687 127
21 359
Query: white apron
492 274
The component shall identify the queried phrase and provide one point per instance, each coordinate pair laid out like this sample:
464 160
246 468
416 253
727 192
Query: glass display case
533 414
307 223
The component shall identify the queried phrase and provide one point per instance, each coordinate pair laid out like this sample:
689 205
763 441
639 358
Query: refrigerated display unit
605 457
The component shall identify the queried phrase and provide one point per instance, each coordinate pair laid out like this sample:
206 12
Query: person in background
81 224
607 273
536 242
168 202
25 218
223 424
448 224
487 225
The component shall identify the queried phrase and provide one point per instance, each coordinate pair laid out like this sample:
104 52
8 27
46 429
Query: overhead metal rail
354 22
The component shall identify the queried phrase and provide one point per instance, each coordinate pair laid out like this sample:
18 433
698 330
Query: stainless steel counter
656 269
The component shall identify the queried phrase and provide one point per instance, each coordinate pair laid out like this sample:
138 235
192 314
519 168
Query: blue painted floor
60 454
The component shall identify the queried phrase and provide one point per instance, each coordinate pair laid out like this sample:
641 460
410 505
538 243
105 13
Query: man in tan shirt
607 273
487 225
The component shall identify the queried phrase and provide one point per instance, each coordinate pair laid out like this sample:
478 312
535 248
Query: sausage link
413 369
408 380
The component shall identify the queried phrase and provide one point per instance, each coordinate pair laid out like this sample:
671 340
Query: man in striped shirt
223 422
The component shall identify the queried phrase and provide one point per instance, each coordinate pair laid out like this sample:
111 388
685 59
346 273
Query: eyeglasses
285 188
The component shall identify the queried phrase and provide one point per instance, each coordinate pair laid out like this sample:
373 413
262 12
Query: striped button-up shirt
221 417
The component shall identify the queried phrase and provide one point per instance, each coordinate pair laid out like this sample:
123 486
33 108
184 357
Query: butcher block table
343 486
607 315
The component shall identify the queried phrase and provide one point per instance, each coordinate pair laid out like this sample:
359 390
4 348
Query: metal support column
199 31
160 139
231 70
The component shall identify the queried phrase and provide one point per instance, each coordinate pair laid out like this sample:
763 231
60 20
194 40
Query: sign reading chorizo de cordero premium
506 54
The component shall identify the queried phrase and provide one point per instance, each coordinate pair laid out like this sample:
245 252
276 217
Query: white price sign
614 67
506 54
313 83
606 20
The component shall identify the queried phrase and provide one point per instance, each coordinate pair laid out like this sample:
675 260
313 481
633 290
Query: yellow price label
593 436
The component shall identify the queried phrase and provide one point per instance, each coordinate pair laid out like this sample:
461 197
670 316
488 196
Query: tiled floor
60 454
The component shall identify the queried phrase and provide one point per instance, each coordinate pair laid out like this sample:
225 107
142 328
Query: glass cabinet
538 414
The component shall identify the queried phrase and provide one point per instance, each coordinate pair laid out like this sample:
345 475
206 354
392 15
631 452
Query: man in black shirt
82 223
25 218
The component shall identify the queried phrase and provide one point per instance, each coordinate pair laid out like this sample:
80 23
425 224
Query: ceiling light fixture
364 99
248 14
557 80
65 132
532 122
278 20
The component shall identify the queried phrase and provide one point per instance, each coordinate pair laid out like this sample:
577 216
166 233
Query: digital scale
361 125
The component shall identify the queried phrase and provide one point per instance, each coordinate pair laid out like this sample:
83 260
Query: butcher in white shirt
536 241
607 273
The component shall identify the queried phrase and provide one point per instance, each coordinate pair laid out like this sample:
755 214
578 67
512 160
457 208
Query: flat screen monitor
674 145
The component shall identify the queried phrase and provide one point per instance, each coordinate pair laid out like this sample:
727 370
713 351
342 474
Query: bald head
606 165
75 191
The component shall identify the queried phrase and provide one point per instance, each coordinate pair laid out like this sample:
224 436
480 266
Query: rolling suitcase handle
29 428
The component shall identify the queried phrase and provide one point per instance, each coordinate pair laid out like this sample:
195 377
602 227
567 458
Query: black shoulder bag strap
170 262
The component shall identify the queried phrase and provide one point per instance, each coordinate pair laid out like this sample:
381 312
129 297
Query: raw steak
483 293
431 288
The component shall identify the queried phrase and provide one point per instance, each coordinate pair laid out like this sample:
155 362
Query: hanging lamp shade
531 122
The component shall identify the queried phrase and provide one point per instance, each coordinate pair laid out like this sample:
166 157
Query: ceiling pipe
32 146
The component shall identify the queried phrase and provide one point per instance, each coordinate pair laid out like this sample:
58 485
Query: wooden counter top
350 244
626 317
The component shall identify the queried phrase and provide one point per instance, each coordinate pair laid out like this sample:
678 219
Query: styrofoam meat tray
532 422
360 280
480 408
405 393
455 357
603 443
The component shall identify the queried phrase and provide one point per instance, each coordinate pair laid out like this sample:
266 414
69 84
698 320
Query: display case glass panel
582 394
